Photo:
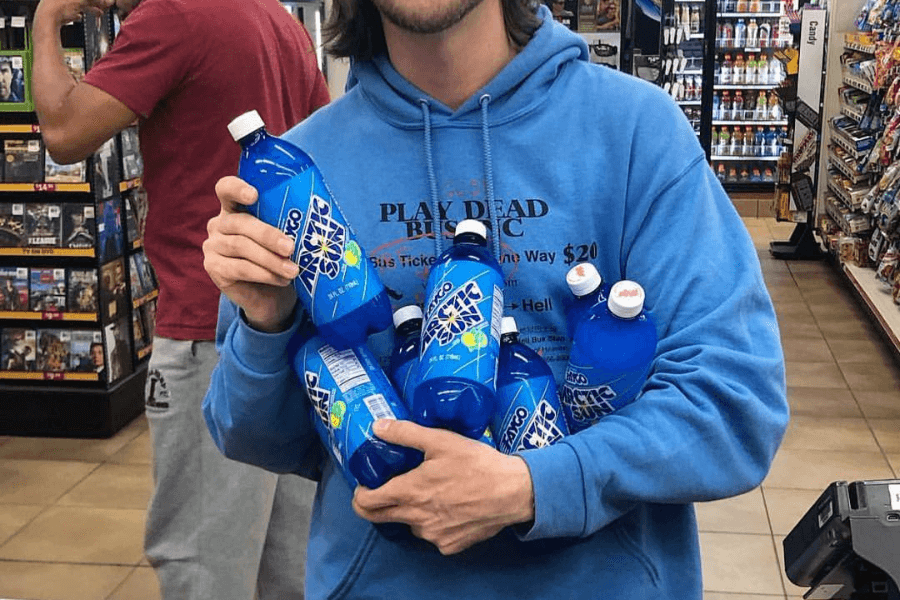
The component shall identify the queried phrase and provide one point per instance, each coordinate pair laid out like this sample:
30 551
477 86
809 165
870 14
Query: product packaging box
82 290
113 297
105 170
118 352
13 289
18 349
109 229
79 228
86 351
47 290
53 350
56 173
43 225
24 160
12 225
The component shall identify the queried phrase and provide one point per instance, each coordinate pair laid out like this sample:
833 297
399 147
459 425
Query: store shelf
691 72
130 185
48 316
847 167
746 86
688 102
745 15
145 299
841 140
853 112
20 128
850 222
857 82
850 200
879 302
47 376
753 123
749 158
71 252
46 187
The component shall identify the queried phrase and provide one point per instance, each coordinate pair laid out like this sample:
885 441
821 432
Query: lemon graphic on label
352 254
474 340
338 409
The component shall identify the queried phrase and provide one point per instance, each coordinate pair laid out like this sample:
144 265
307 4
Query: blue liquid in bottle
611 356
588 289
460 336
528 413
404 365
337 284
349 392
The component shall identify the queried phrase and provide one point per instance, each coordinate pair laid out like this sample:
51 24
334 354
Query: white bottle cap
406 313
508 325
626 299
583 279
245 124
471 226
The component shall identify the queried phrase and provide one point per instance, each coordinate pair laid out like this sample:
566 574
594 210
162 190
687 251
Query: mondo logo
293 221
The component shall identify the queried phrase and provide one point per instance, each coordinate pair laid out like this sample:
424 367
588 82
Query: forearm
51 81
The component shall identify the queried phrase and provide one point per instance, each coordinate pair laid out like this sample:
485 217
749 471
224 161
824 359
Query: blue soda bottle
460 336
405 357
349 391
528 413
337 284
612 352
588 289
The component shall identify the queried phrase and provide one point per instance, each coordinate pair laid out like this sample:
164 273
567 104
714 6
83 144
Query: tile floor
72 511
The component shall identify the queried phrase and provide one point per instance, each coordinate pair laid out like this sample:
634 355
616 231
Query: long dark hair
354 30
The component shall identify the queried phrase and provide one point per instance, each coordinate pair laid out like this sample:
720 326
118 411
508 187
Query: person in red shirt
184 69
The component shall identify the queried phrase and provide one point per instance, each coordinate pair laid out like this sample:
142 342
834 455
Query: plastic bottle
716 106
775 111
720 172
349 392
726 111
611 356
772 142
727 72
724 142
740 34
728 32
588 289
753 34
460 336
740 70
404 365
749 142
528 413
764 35
738 106
760 141
750 70
737 142
337 284
774 72
762 69
695 19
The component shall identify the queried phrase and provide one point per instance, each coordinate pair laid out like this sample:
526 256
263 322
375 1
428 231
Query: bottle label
335 277
461 330
590 393
347 395
532 421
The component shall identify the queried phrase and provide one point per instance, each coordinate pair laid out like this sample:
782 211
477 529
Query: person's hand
250 260
464 491
67 11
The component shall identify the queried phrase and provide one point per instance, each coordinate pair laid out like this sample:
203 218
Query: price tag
45 187
17 21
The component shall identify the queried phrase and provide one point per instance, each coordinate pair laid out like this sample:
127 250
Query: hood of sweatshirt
520 87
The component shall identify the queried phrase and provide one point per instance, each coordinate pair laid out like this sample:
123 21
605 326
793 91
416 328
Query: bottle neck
509 338
593 293
407 328
469 238
252 139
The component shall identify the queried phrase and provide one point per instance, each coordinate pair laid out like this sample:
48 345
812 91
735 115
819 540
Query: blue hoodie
565 161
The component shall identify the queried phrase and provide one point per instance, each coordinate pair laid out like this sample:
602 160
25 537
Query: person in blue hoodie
488 109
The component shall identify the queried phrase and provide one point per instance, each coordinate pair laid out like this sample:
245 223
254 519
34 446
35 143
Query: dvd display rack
77 295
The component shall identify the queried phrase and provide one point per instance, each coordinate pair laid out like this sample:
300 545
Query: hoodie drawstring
432 180
489 174
484 101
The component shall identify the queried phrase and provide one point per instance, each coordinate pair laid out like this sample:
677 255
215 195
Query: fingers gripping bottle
611 355
528 413
337 284
404 365
588 288
460 336
349 392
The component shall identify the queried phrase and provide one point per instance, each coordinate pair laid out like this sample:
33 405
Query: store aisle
72 511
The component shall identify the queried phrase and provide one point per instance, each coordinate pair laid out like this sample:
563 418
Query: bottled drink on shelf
751 69
460 336
752 34
742 6
404 366
695 19
720 172
740 34
771 142
728 33
760 113
349 392
528 414
698 87
716 107
740 70
737 142
764 33
730 6
754 6
724 142
776 112
760 141
611 356
738 106
749 142
337 284
762 69
727 71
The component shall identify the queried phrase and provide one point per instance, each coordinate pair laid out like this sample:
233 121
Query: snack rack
72 268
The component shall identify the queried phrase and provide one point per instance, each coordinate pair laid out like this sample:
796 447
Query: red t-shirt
188 67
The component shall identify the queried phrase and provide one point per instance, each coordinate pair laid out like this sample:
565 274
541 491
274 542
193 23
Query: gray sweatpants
216 529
